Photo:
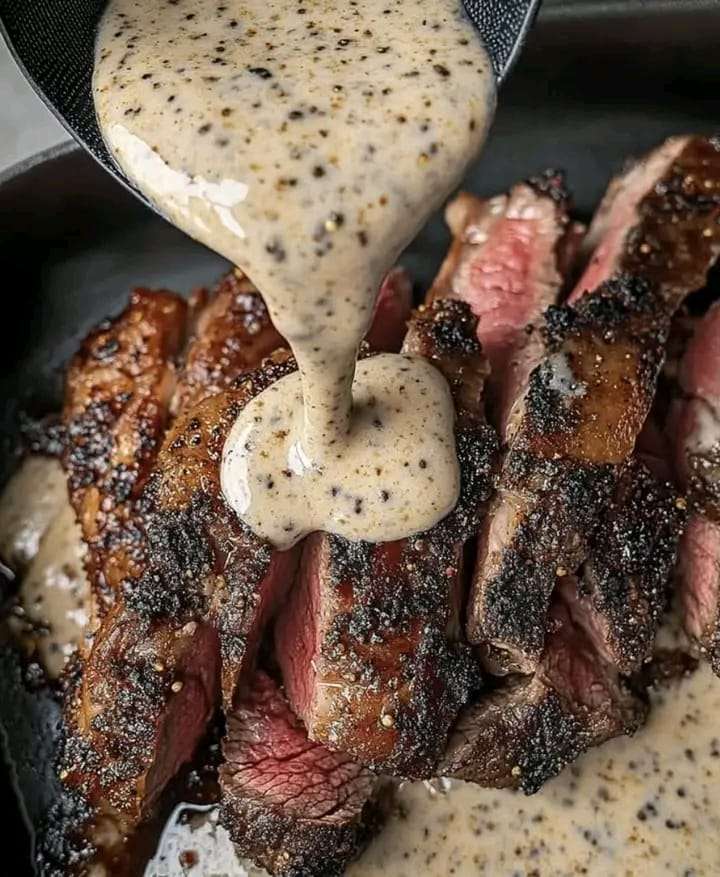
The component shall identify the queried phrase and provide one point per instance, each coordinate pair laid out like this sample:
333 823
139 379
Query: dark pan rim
49 153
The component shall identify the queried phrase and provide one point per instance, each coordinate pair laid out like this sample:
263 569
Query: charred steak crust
144 701
659 220
518 737
205 556
150 682
527 730
589 397
370 640
151 655
630 558
585 403
548 539
678 218
292 806
118 391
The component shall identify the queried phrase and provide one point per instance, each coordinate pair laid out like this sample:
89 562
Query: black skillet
53 42
599 81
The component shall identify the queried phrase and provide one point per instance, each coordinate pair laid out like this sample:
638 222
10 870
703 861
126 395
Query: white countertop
26 126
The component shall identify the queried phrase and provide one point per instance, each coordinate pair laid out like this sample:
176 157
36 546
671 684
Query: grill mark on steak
118 390
369 640
568 435
292 806
525 732
660 220
506 261
631 554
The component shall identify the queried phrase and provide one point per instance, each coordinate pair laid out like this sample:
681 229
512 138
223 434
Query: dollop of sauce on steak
308 142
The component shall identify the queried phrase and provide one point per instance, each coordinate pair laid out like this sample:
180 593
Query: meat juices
309 154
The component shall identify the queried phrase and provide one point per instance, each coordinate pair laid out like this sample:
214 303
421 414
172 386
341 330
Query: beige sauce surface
38 531
377 494
307 142
635 807
29 501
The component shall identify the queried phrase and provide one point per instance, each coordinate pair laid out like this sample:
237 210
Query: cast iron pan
587 93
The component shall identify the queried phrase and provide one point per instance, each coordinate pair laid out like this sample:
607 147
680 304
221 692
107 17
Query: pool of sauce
308 141
635 806
40 541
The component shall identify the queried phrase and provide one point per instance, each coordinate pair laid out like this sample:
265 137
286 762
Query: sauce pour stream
308 142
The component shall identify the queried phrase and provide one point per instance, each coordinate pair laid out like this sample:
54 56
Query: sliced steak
568 437
695 416
205 561
233 334
695 426
202 580
144 699
292 806
117 396
202 565
660 220
529 729
392 312
631 554
506 261
150 682
369 640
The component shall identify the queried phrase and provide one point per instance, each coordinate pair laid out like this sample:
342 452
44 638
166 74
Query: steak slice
699 586
150 683
392 311
507 261
695 425
136 714
206 578
117 396
660 220
205 561
202 573
526 731
233 334
369 641
631 554
292 806
568 437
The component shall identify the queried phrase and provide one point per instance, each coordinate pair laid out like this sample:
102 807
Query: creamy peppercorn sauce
308 141
634 807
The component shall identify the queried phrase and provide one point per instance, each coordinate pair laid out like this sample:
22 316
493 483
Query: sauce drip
307 142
